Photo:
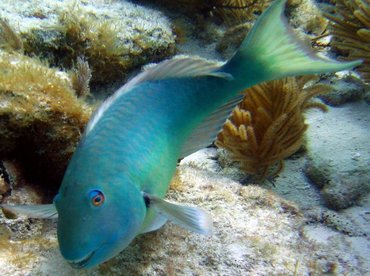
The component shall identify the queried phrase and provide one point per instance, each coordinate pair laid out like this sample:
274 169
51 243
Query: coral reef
350 27
229 12
79 32
114 37
268 125
234 12
306 16
41 118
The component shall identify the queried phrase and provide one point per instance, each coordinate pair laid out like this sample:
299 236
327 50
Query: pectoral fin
157 223
44 211
191 218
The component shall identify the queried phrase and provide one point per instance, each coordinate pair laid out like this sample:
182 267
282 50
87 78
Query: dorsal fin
182 66
177 67
205 133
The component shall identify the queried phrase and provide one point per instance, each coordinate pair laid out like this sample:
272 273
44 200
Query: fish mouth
80 263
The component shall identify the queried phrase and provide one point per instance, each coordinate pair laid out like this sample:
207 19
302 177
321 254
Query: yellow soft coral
350 28
268 125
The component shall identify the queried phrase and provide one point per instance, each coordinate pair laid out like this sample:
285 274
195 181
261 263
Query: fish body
114 185
133 148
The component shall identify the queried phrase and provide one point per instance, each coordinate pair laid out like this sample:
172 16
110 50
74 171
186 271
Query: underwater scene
184 137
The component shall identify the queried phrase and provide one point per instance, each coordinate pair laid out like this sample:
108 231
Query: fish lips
83 262
95 257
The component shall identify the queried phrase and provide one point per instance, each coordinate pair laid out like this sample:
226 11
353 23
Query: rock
232 39
334 220
341 170
347 89
4 187
114 37
345 188
307 16
318 171
367 95
204 159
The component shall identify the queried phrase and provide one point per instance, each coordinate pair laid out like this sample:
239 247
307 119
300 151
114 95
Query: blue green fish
114 185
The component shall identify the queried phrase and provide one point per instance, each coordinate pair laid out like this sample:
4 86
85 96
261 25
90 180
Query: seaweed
41 119
81 76
350 27
81 32
9 39
228 12
268 125
235 12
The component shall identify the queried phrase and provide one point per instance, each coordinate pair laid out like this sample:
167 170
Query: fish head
97 219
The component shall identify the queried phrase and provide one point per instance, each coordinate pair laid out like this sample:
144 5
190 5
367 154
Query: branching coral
41 118
268 125
350 28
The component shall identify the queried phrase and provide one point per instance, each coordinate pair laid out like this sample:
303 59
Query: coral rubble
268 125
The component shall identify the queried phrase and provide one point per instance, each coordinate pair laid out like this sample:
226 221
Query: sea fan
268 125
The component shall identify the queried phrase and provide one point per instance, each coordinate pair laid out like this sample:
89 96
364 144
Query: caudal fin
274 51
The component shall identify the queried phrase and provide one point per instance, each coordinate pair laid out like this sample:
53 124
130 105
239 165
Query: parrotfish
116 180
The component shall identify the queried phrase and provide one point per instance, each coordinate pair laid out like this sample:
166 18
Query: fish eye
97 198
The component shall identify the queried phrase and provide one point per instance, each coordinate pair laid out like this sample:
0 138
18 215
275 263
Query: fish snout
81 262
